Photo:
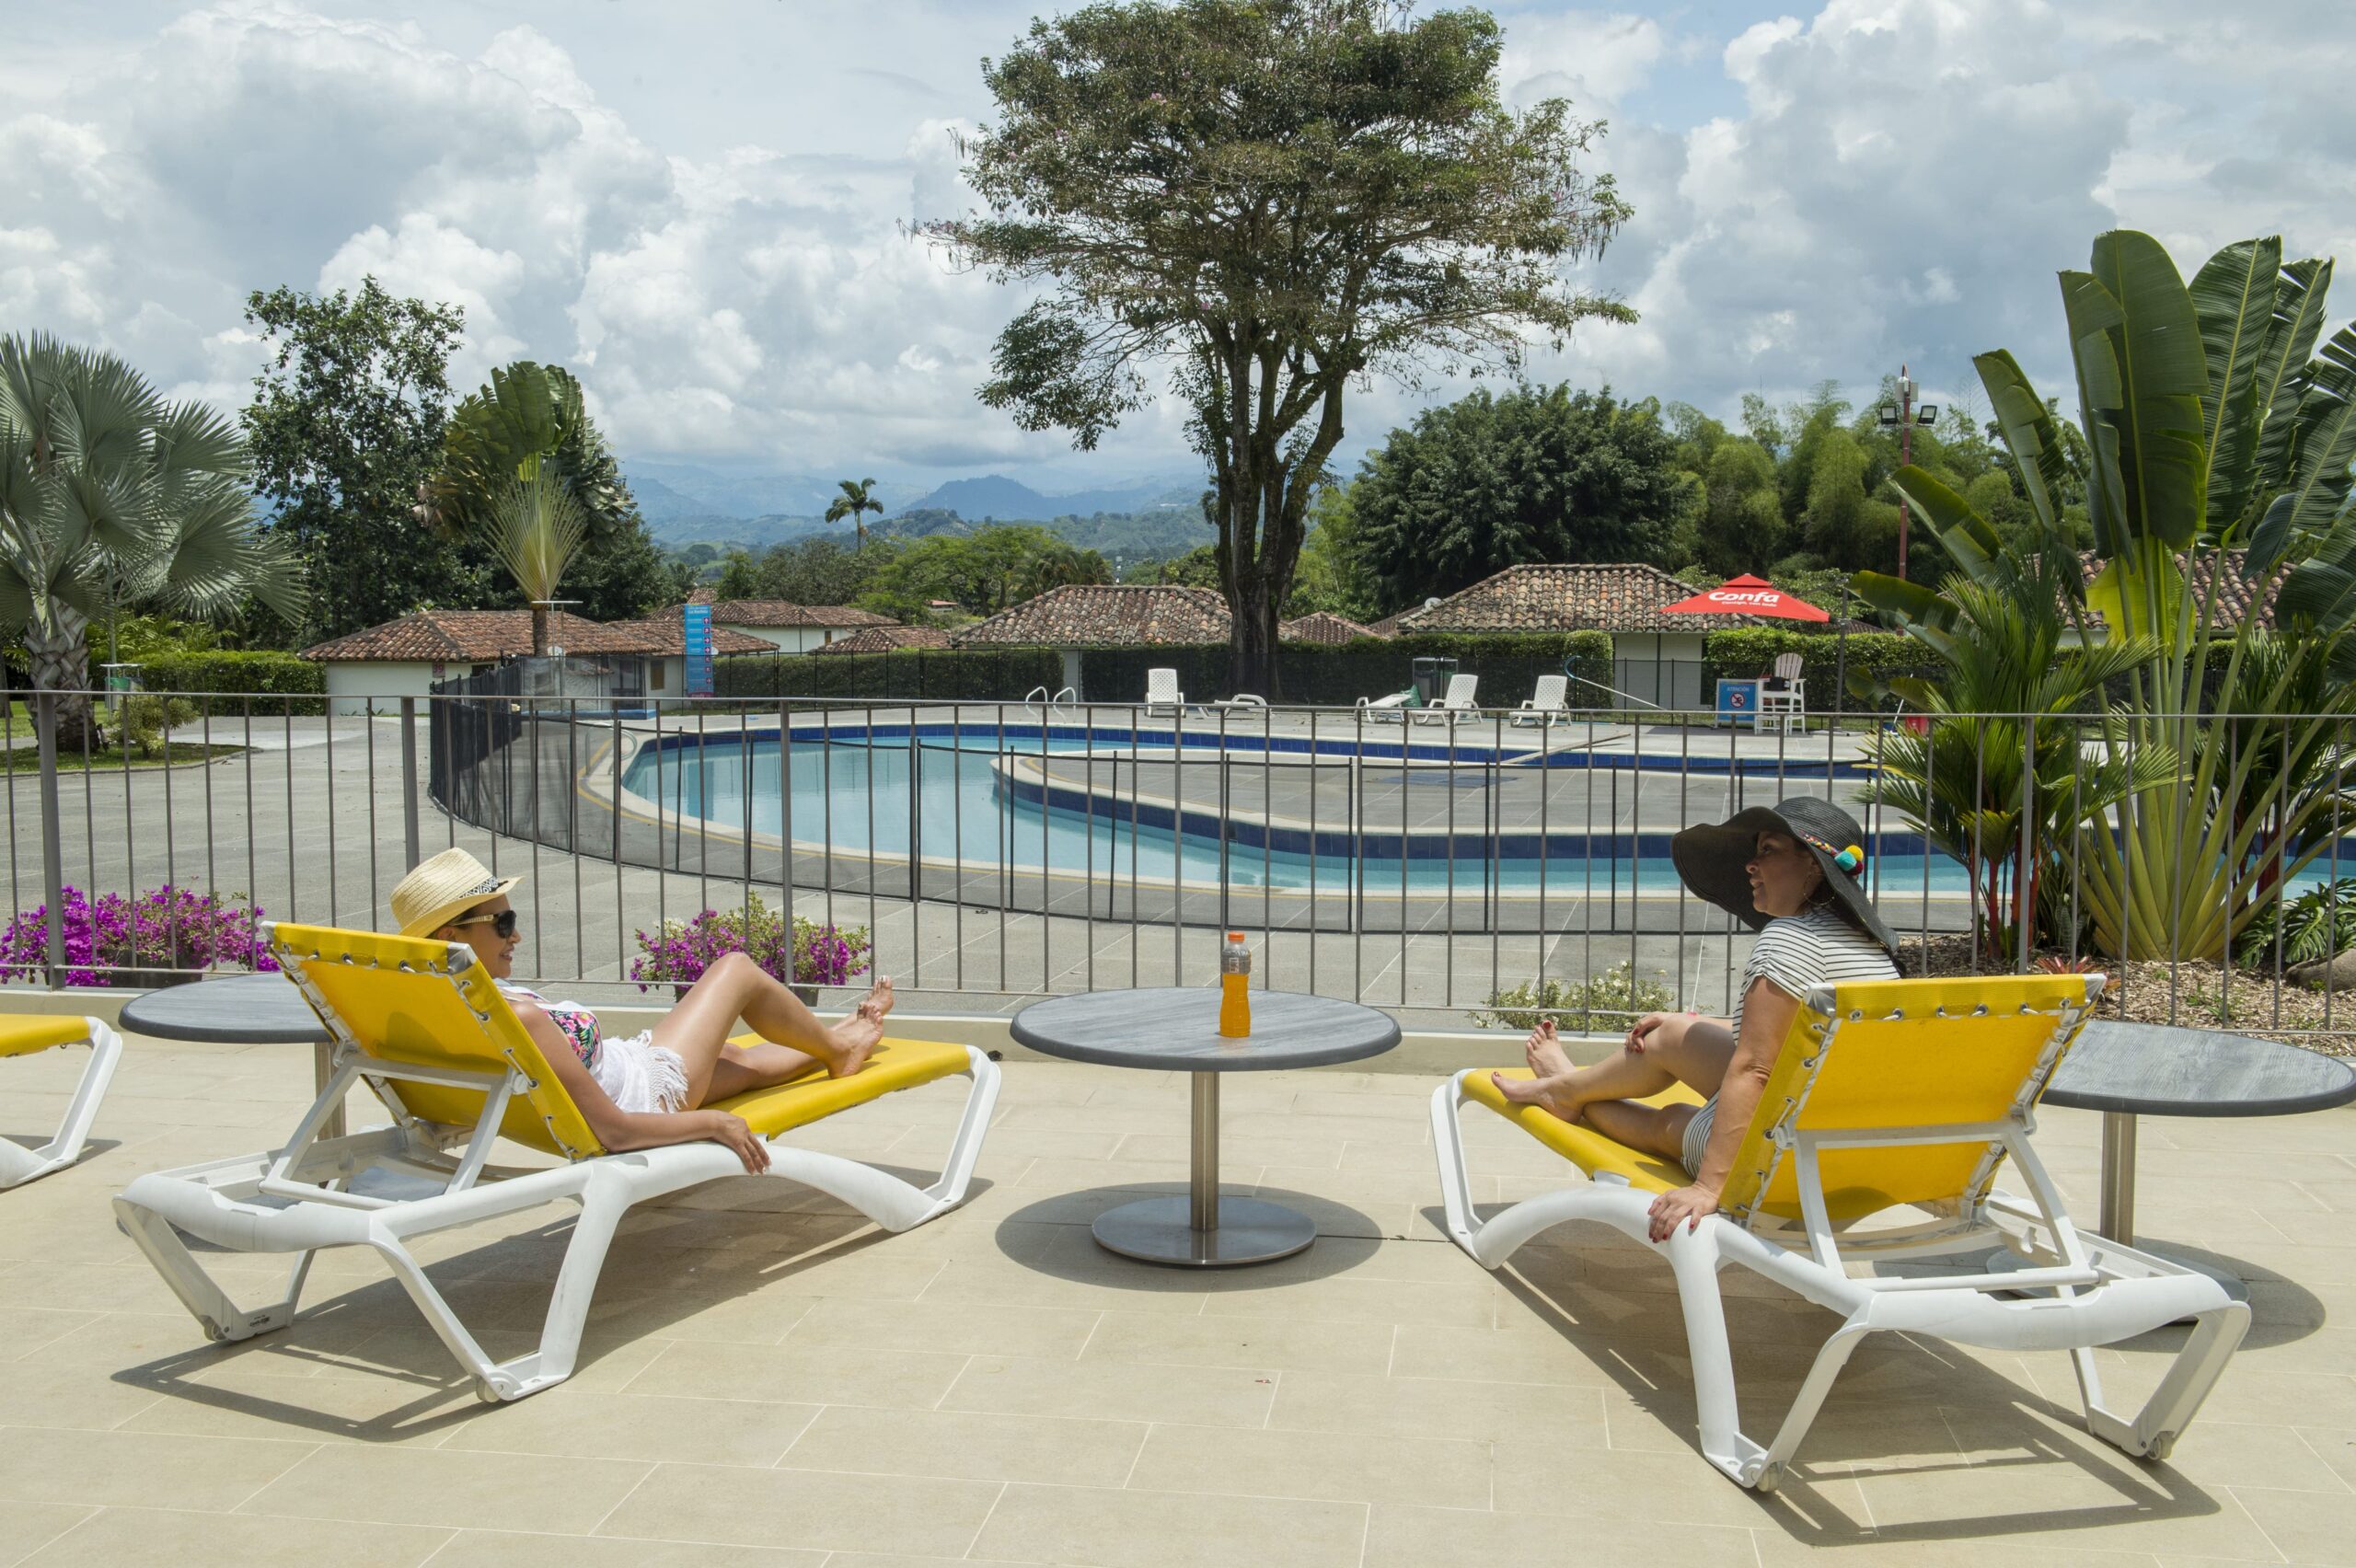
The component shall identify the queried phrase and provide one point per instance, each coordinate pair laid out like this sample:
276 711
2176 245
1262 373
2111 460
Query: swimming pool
984 794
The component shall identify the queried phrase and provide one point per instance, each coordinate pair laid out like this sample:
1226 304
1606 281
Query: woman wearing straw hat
652 1087
1790 871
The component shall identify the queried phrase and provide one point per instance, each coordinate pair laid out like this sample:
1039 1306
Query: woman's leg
737 987
1694 1054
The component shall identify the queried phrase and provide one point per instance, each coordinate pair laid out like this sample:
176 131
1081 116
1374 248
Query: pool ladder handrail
1038 697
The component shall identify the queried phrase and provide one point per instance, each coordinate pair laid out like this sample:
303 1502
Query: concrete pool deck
769 1381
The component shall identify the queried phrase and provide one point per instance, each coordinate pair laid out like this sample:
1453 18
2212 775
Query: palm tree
110 496
857 500
536 529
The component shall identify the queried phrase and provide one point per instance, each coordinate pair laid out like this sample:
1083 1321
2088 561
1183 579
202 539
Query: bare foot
1526 1092
856 1037
1546 1053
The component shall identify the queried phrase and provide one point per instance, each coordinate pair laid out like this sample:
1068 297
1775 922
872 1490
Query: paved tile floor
769 1382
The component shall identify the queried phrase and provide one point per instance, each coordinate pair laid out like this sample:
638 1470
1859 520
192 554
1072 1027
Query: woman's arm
619 1130
1767 1014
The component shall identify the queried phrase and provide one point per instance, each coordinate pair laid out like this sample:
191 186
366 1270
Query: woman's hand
726 1127
1639 1034
1685 1207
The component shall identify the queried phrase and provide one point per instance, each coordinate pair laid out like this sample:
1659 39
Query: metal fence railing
994 849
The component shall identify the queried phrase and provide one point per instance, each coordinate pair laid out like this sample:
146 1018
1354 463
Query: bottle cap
1235 936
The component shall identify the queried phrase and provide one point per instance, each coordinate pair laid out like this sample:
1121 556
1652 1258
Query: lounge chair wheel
1770 1480
2162 1446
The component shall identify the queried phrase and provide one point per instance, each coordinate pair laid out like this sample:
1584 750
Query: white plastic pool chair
1387 709
423 1026
1783 697
1456 704
1162 693
1886 1095
22 1034
1547 701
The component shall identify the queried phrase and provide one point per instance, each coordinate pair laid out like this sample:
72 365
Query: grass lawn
26 758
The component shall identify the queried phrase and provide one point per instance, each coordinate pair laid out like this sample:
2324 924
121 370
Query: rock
2337 973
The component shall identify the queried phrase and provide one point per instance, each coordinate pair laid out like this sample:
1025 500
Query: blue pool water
944 798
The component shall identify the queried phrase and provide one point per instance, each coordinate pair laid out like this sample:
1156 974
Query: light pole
1905 417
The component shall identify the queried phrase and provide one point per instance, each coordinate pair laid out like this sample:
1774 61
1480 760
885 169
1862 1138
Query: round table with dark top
238 1009
2126 1070
1177 1028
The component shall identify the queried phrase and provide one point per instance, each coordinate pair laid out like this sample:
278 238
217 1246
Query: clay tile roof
665 631
476 637
1323 626
1625 597
2235 592
887 639
785 612
1388 625
1110 614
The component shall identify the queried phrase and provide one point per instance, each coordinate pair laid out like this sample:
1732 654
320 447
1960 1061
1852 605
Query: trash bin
1432 677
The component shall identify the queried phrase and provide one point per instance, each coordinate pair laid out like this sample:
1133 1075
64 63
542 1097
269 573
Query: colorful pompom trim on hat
1851 859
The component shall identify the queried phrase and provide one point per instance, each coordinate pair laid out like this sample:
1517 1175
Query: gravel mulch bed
2192 994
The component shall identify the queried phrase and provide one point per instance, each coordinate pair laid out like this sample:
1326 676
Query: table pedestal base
1162 1231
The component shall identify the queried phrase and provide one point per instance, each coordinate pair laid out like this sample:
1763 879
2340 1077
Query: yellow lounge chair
21 1035
1887 1094
421 1023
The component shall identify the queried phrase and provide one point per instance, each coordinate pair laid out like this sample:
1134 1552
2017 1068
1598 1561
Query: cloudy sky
701 204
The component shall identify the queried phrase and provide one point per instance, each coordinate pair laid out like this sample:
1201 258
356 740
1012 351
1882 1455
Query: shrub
1748 650
2318 924
923 674
242 675
1508 664
141 721
1616 998
805 953
164 927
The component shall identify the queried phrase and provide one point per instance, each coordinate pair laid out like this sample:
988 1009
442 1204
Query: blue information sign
1738 702
699 631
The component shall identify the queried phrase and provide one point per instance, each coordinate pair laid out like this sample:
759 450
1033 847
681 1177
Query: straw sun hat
447 885
1715 861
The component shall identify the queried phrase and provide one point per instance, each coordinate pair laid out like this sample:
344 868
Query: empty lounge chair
21 1035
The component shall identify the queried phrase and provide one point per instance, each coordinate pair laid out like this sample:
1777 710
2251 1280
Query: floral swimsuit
577 1023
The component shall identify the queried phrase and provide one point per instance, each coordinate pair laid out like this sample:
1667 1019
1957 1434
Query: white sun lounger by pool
1387 709
424 1026
1161 691
1548 701
21 1035
1454 705
1886 1094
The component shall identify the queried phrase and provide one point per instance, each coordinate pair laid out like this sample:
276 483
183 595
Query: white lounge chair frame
1392 710
1161 691
18 1164
300 1198
1456 704
1547 701
1788 706
2102 1291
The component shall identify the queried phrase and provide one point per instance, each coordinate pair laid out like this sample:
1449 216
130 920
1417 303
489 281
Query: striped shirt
1813 948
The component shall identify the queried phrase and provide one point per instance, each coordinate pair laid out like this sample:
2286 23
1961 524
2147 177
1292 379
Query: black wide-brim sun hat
1715 861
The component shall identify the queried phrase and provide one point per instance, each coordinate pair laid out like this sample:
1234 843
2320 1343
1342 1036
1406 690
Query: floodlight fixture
1927 414
1888 413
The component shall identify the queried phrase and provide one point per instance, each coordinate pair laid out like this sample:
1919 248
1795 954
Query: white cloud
713 224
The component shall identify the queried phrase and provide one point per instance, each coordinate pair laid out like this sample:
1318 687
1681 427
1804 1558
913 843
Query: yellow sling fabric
401 1004
897 1064
1899 1054
21 1035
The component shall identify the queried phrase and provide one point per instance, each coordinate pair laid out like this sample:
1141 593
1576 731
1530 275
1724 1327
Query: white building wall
376 685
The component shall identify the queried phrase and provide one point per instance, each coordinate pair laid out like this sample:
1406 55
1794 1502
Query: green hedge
1744 651
916 675
240 675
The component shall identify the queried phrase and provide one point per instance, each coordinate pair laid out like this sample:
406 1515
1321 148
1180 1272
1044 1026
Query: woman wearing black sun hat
1793 873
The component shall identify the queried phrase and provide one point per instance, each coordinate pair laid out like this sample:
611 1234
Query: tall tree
345 425
536 529
1491 481
1268 199
110 497
856 501
530 420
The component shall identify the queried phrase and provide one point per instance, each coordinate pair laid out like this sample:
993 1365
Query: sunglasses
501 924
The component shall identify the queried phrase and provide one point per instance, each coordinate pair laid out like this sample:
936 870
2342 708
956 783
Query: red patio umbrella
1747 597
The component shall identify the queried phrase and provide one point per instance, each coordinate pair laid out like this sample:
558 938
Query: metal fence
999 850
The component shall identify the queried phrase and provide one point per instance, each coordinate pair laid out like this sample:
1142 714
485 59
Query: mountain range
684 503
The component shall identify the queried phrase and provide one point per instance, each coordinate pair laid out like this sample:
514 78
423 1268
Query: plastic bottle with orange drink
1235 986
